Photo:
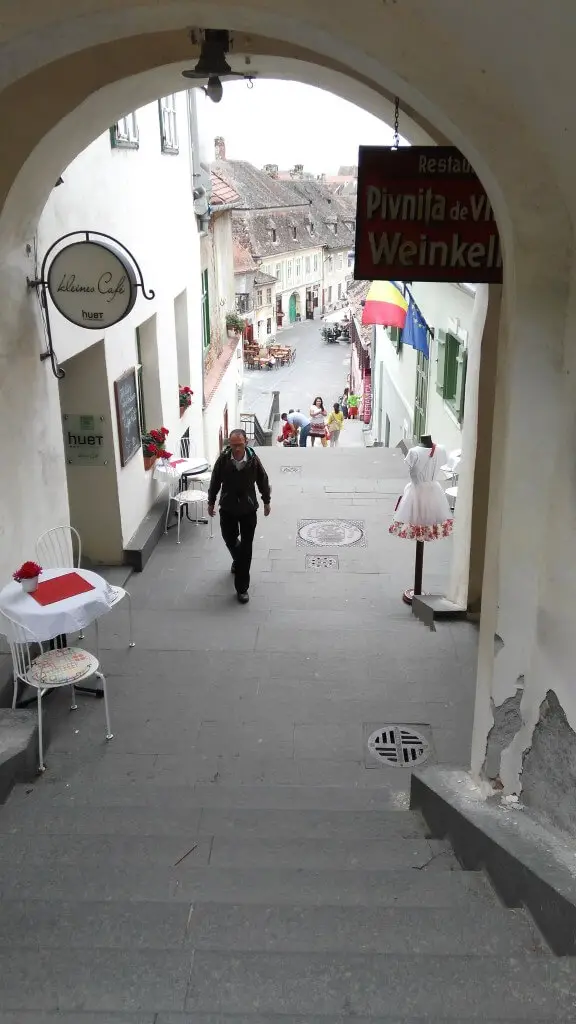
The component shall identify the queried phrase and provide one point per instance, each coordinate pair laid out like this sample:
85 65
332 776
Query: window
294 232
273 234
140 383
298 269
329 264
311 227
289 270
205 311
396 338
316 263
335 228
268 297
168 126
269 326
339 290
451 372
243 304
259 297
124 134
307 265
330 295
340 261
279 272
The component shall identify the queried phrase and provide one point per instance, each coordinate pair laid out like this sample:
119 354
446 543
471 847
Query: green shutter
462 363
451 367
440 361
396 338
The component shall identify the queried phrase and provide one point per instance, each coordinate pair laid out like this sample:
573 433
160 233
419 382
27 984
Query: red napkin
177 462
61 587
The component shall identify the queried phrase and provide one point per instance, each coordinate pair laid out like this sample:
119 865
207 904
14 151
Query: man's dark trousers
236 527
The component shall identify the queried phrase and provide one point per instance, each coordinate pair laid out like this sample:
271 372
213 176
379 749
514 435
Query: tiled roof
222 193
242 259
260 278
274 217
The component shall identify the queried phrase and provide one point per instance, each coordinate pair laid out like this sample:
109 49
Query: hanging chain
396 139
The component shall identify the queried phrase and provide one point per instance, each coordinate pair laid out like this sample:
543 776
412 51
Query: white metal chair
181 499
49 670
62 547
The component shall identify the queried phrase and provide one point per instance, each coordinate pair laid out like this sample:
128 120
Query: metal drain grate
331 533
290 469
399 746
321 561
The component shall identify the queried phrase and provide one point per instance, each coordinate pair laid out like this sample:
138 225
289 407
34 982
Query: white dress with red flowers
423 512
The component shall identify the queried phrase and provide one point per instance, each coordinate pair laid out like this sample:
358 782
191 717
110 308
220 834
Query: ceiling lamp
212 63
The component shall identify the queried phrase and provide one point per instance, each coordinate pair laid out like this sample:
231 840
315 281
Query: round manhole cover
399 746
327 533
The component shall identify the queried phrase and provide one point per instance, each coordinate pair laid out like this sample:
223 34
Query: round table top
183 467
66 616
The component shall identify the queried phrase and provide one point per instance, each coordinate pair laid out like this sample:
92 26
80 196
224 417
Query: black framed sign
126 395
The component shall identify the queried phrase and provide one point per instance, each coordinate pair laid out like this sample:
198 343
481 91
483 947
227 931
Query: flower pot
29 586
149 461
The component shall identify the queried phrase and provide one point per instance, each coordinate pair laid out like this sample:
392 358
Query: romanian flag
385 305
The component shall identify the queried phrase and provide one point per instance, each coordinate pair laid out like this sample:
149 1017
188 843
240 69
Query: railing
254 429
244 302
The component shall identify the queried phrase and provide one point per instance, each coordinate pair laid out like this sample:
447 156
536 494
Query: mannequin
422 512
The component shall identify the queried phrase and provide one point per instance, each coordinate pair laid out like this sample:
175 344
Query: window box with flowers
185 398
235 323
153 446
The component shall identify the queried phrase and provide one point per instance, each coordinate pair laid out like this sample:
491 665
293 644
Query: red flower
27 571
163 454
164 431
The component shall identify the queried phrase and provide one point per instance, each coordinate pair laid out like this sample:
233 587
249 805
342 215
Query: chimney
219 148
297 171
271 169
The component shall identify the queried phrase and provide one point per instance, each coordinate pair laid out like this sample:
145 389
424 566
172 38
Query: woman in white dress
423 512
317 420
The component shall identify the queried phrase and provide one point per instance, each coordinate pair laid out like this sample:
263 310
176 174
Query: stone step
289 824
18 747
80 1017
490 931
55 881
365 854
159 791
524 988
28 924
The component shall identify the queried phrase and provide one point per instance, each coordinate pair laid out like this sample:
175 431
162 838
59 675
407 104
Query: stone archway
64 76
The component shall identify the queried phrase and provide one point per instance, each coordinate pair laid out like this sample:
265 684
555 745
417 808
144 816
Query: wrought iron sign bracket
41 286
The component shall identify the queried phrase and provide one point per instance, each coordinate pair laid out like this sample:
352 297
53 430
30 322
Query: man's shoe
243 598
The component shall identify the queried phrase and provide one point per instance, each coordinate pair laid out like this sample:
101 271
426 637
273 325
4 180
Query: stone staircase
134 902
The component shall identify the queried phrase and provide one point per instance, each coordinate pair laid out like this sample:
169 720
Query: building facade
413 395
108 188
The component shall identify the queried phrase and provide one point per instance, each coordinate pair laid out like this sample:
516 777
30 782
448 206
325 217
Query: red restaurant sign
423 215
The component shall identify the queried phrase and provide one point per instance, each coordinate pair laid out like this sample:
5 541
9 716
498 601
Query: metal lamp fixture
212 63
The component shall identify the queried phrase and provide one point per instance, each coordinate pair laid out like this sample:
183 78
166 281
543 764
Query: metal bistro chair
187 450
180 499
49 670
55 550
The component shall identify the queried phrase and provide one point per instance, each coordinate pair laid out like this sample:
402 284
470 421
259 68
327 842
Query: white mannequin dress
423 512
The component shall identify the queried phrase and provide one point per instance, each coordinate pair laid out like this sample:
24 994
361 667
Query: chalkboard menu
126 394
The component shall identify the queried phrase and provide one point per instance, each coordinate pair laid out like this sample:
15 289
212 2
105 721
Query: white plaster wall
227 394
143 198
444 306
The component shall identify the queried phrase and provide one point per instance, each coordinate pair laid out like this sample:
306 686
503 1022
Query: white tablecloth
189 467
67 616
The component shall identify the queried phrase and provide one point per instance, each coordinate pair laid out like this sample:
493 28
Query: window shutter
440 361
453 347
396 338
461 383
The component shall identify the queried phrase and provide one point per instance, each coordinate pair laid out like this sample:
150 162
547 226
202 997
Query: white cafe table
69 615
163 470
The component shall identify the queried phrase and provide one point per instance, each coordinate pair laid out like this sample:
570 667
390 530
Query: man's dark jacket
238 485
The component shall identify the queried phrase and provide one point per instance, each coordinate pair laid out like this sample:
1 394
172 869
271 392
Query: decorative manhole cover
399 746
321 561
290 469
331 533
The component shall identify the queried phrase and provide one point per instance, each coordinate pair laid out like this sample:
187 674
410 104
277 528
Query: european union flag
415 332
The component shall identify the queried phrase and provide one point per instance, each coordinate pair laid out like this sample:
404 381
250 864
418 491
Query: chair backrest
19 640
59 548
187 448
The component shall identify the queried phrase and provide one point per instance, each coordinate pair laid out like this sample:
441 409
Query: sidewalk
266 705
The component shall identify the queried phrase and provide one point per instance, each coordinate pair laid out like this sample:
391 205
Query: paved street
239 780
319 369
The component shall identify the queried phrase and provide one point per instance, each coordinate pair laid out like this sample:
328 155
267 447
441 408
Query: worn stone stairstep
80 1017
159 792
28 924
461 988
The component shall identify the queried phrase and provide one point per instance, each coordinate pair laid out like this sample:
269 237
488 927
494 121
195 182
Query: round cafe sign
92 284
